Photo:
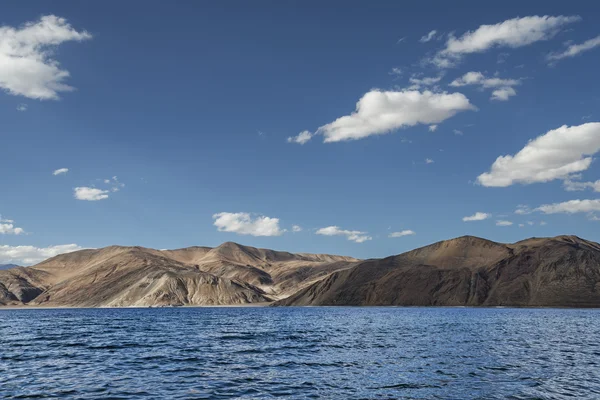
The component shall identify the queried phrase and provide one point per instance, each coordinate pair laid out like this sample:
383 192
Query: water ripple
300 353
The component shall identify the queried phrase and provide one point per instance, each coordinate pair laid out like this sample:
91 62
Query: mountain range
563 271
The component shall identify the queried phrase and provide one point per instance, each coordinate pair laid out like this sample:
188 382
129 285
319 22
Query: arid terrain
563 271
116 276
467 271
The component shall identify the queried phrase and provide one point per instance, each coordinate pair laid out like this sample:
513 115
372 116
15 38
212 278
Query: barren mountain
135 276
563 271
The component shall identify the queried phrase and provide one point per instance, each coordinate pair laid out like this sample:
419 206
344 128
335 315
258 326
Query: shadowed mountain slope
563 271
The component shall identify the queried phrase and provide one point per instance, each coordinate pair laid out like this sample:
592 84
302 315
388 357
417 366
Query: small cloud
90 193
396 71
402 39
503 223
296 228
457 132
301 138
22 107
60 171
27 255
354 236
406 232
542 223
521 225
478 216
574 50
244 223
428 37
429 161
433 128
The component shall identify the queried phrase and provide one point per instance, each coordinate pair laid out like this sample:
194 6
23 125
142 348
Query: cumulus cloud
503 94
430 36
556 154
570 207
478 216
60 171
296 228
503 223
457 132
512 33
503 87
433 128
90 193
406 232
27 255
26 64
301 138
22 107
354 236
574 50
429 161
244 224
380 112
10 229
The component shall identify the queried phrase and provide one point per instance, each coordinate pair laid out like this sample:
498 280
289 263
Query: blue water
300 353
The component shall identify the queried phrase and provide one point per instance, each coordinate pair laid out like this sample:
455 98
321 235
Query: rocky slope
119 276
563 271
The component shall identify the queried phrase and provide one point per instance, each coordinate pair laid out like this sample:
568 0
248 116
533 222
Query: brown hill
563 271
119 276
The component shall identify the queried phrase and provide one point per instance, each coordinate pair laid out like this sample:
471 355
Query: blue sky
190 106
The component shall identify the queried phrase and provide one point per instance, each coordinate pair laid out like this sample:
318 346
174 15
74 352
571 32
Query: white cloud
523 209
575 49
60 171
90 193
503 223
503 94
22 107
543 223
10 229
428 37
301 138
243 224
512 33
530 223
478 216
26 66
570 207
355 236
114 182
406 232
429 161
396 71
27 255
296 228
477 78
521 225
433 128
457 132
503 87
556 154
418 83
573 186
380 112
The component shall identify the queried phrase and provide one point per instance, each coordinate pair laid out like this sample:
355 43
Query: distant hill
7 266
563 271
119 276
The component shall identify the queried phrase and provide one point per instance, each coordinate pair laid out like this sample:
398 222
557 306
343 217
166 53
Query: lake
300 353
